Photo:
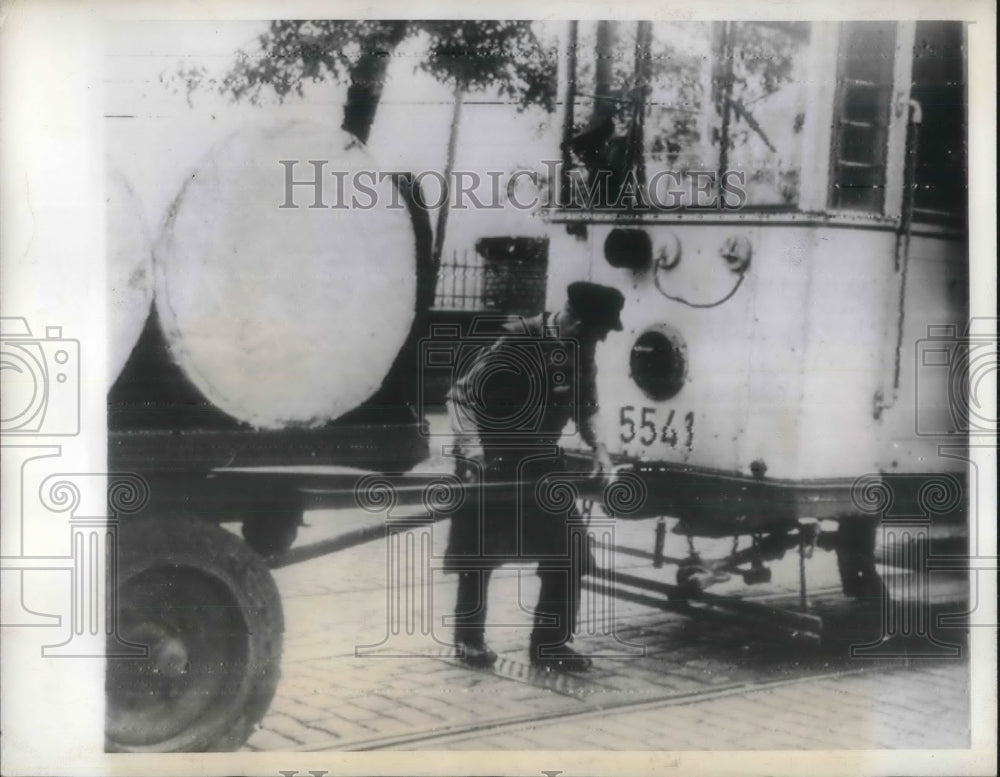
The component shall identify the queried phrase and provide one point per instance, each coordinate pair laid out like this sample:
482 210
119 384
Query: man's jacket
524 388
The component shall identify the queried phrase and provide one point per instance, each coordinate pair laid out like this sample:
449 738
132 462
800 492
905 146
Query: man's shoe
560 659
476 654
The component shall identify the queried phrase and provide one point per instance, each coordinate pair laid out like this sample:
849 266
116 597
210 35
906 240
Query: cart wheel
209 611
271 537
856 561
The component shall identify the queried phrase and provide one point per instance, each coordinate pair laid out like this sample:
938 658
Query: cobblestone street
368 665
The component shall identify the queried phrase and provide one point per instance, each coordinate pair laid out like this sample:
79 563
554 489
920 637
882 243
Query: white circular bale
129 271
286 316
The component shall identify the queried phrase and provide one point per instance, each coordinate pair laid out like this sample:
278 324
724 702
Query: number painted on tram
647 427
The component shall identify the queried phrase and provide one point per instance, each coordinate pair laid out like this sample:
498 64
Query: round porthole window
658 362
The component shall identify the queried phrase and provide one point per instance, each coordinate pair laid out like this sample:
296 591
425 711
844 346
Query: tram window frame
724 114
733 112
942 146
862 113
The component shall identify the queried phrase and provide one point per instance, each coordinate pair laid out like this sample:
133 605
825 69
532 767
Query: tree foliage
508 56
470 55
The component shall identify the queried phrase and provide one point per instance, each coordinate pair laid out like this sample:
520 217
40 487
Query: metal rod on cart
661 535
794 623
344 541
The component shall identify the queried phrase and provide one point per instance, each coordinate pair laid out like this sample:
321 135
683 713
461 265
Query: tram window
759 97
861 115
677 135
718 97
602 108
941 171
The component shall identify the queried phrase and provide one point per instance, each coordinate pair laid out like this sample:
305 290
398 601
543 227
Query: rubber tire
166 546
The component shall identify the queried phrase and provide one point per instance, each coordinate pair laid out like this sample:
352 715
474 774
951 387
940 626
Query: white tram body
786 341
795 369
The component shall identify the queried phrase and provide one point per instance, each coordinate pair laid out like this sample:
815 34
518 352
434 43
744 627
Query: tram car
784 207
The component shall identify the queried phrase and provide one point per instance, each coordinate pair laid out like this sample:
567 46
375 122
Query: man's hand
602 460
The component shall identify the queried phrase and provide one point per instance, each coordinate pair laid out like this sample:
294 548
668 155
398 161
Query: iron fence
461 282
509 281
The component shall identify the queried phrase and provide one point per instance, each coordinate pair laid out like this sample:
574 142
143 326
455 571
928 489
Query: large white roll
286 316
129 270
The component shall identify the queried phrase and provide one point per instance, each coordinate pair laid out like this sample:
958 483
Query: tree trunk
367 81
449 167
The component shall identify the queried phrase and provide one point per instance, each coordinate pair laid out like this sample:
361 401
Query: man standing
508 408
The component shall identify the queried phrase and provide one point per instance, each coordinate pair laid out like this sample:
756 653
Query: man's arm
588 431
589 408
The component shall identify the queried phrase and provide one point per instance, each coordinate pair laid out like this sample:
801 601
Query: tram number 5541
643 426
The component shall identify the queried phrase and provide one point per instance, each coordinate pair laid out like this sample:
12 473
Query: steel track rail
458 732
